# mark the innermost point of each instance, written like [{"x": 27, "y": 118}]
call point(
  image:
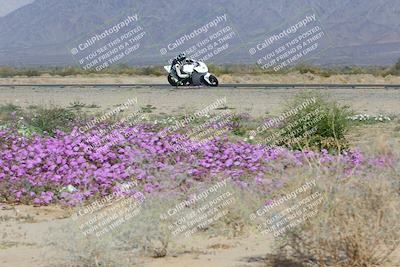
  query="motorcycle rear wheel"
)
[{"x": 171, "y": 81}]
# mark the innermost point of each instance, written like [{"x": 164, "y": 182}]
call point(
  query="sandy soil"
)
[
  {"x": 92, "y": 79},
  {"x": 227, "y": 78},
  {"x": 25, "y": 232},
  {"x": 256, "y": 102}
]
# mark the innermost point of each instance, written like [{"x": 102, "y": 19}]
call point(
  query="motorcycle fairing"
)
[{"x": 207, "y": 78}]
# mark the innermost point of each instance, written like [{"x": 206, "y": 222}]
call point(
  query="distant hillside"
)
[
  {"x": 357, "y": 31},
  {"x": 7, "y": 6}
]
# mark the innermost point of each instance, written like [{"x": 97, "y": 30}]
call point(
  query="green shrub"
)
[
  {"x": 316, "y": 122},
  {"x": 394, "y": 70},
  {"x": 8, "y": 108},
  {"x": 156, "y": 71},
  {"x": 9, "y": 112},
  {"x": 237, "y": 125},
  {"x": 30, "y": 73},
  {"x": 50, "y": 119},
  {"x": 6, "y": 72},
  {"x": 70, "y": 71}
]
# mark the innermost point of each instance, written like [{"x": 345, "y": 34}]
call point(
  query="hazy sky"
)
[{"x": 7, "y": 6}]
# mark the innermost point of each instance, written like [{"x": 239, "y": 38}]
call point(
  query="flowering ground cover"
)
[{"x": 69, "y": 168}]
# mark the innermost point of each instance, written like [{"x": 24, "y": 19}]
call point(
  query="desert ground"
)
[
  {"x": 257, "y": 102},
  {"x": 293, "y": 77},
  {"x": 26, "y": 230}
]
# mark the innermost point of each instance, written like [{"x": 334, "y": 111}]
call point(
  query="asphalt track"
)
[{"x": 256, "y": 86}]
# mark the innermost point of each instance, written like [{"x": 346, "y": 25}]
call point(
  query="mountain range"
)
[{"x": 363, "y": 32}]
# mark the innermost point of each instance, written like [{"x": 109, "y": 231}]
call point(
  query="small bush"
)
[
  {"x": 50, "y": 119},
  {"x": 31, "y": 73},
  {"x": 70, "y": 71},
  {"x": 8, "y": 108},
  {"x": 315, "y": 122},
  {"x": 77, "y": 105},
  {"x": 6, "y": 72},
  {"x": 156, "y": 71},
  {"x": 77, "y": 250},
  {"x": 394, "y": 70},
  {"x": 237, "y": 124},
  {"x": 9, "y": 112}
]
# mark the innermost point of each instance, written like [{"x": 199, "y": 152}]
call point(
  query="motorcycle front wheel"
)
[{"x": 213, "y": 81}]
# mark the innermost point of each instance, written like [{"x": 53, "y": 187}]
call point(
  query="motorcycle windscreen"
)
[{"x": 168, "y": 68}]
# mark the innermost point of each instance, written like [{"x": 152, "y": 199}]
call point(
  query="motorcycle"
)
[{"x": 198, "y": 75}]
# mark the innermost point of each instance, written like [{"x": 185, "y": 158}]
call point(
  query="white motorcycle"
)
[{"x": 198, "y": 75}]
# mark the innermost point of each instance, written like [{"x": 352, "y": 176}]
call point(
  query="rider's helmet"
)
[{"x": 181, "y": 57}]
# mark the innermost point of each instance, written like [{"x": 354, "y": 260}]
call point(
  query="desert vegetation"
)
[
  {"x": 228, "y": 69},
  {"x": 47, "y": 159}
]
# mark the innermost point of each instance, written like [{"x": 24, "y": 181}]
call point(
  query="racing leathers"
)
[{"x": 176, "y": 66}]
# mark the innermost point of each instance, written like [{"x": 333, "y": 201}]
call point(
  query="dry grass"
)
[
  {"x": 357, "y": 225},
  {"x": 146, "y": 235}
]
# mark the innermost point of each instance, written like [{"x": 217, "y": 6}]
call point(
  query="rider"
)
[{"x": 177, "y": 65}]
